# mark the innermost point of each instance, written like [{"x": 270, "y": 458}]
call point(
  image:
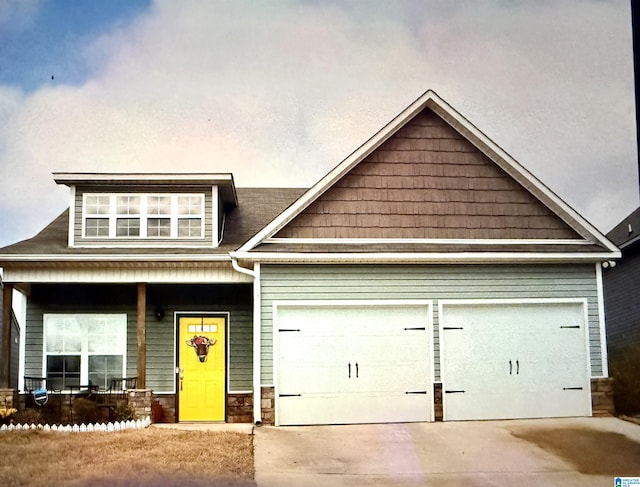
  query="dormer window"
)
[
  {"x": 153, "y": 210},
  {"x": 156, "y": 216}
]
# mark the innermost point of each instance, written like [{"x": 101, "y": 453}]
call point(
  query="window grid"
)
[
  {"x": 159, "y": 227},
  {"x": 97, "y": 227},
  {"x": 83, "y": 347},
  {"x": 128, "y": 227},
  {"x": 189, "y": 227},
  {"x": 127, "y": 205},
  {"x": 159, "y": 205},
  {"x": 98, "y": 205}
]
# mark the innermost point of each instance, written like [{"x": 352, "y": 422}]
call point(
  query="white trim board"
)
[
  {"x": 602, "y": 320},
  {"x": 431, "y": 241},
  {"x": 425, "y": 257},
  {"x": 112, "y": 274},
  {"x": 129, "y": 257}
]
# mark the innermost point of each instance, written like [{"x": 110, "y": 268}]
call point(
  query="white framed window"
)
[
  {"x": 96, "y": 215},
  {"x": 83, "y": 349},
  {"x": 157, "y": 216}
]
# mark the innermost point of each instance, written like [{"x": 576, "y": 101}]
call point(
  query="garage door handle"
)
[
  {"x": 517, "y": 368},
  {"x": 349, "y": 366},
  {"x": 356, "y": 370},
  {"x": 510, "y": 367},
  {"x": 454, "y": 392}
]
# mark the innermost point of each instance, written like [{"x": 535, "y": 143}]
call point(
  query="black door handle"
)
[
  {"x": 349, "y": 370},
  {"x": 517, "y": 367},
  {"x": 356, "y": 370},
  {"x": 510, "y": 367}
]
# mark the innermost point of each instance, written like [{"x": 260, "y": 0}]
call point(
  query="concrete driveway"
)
[{"x": 562, "y": 452}]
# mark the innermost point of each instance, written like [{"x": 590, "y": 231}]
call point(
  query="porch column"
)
[
  {"x": 5, "y": 349},
  {"x": 142, "y": 336}
]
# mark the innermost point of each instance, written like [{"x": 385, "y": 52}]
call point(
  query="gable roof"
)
[
  {"x": 256, "y": 207},
  {"x": 422, "y": 212}
]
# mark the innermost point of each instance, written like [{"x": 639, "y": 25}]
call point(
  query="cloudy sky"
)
[{"x": 279, "y": 92}]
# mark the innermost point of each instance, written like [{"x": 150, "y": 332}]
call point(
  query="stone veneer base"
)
[{"x": 240, "y": 405}]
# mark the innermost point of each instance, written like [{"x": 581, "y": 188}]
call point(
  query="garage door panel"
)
[
  {"x": 316, "y": 350},
  {"x": 479, "y": 377},
  {"x": 465, "y": 406},
  {"x": 515, "y": 360},
  {"x": 407, "y": 376},
  {"x": 353, "y": 364},
  {"x": 305, "y": 378},
  {"x": 364, "y": 408}
]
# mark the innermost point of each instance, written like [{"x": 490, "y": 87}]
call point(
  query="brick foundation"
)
[
  {"x": 167, "y": 403},
  {"x": 8, "y": 398},
  {"x": 240, "y": 408},
  {"x": 602, "y": 397},
  {"x": 140, "y": 400},
  {"x": 267, "y": 404},
  {"x": 437, "y": 402}
]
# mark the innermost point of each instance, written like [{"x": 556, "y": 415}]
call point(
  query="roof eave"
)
[
  {"x": 110, "y": 258},
  {"x": 223, "y": 180}
]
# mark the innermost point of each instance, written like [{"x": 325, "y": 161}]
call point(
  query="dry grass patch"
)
[{"x": 159, "y": 457}]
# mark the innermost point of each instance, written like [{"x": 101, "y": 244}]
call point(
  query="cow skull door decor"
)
[{"x": 201, "y": 345}]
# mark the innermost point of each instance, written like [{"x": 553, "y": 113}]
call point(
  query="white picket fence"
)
[{"x": 82, "y": 428}]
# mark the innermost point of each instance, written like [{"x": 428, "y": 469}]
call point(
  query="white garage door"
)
[
  {"x": 510, "y": 360},
  {"x": 353, "y": 363}
]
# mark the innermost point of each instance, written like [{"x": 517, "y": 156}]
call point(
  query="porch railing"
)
[{"x": 58, "y": 405}]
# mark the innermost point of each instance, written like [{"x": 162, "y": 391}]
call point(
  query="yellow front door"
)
[{"x": 201, "y": 368}]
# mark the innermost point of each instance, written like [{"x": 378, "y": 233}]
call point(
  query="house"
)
[
  {"x": 427, "y": 276},
  {"x": 622, "y": 286},
  {"x": 622, "y": 310}
]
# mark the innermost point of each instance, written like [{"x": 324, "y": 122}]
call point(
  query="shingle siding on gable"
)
[{"x": 427, "y": 181}]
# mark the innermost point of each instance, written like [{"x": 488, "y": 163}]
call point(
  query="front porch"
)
[{"x": 148, "y": 314}]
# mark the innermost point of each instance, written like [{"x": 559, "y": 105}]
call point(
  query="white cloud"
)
[
  {"x": 16, "y": 15},
  {"x": 278, "y": 93}
]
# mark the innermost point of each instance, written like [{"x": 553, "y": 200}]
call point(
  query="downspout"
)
[{"x": 257, "y": 390}]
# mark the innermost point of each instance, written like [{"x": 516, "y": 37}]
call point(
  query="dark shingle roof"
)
[
  {"x": 627, "y": 232},
  {"x": 256, "y": 208}
]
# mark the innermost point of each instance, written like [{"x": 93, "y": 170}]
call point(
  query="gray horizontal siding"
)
[
  {"x": 335, "y": 282},
  {"x": 160, "y": 333}
]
